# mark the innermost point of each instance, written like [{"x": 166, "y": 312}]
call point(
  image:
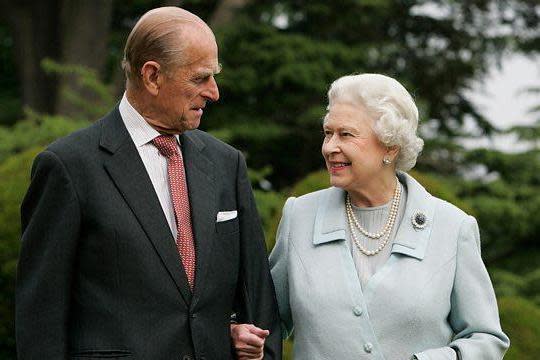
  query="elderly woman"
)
[{"x": 375, "y": 267}]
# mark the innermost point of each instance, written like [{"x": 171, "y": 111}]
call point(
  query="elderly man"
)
[{"x": 140, "y": 232}]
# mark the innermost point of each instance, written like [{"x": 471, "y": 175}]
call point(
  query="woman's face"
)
[{"x": 351, "y": 150}]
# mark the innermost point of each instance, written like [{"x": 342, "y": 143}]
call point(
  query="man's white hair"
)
[{"x": 394, "y": 110}]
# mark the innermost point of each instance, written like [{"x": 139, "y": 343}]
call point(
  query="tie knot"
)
[{"x": 166, "y": 144}]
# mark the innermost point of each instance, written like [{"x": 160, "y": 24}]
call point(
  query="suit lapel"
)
[
  {"x": 128, "y": 173},
  {"x": 202, "y": 198}
]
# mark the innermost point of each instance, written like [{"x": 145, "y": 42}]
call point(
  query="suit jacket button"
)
[
  {"x": 187, "y": 357},
  {"x": 357, "y": 310},
  {"x": 368, "y": 347}
]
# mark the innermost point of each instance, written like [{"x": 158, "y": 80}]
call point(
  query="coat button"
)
[
  {"x": 368, "y": 347},
  {"x": 357, "y": 310}
]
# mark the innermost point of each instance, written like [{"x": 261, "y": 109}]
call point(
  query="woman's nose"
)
[{"x": 330, "y": 145}]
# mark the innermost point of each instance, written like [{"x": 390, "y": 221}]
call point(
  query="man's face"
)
[{"x": 186, "y": 89}]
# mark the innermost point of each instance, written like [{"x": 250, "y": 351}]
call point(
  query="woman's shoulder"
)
[
  {"x": 449, "y": 211},
  {"x": 442, "y": 209},
  {"x": 312, "y": 199}
]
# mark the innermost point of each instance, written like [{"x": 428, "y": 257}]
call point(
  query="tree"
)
[{"x": 280, "y": 57}]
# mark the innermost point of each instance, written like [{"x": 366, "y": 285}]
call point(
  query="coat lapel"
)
[
  {"x": 330, "y": 220},
  {"x": 202, "y": 198},
  {"x": 128, "y": 173},
  {"x": 410, "y": 240}
]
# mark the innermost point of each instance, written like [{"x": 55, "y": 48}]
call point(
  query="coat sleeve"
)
[
  {"x": 258, "y": 299},
  {"x": 474, "y": 315},
  {"x": 279, "y": 259},
  {"x": 50, "y": 217}
]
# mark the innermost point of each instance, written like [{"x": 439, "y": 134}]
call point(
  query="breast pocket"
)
[{"x": 228, "y": 227}]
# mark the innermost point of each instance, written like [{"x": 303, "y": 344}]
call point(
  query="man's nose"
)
[{"x": 211, "y": 92}]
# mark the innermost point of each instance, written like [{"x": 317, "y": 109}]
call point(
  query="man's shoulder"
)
[
  {"x": 212, "y": 143},
  {"x": 80, "y": 142},
  {"x": 76, "y": 139}
]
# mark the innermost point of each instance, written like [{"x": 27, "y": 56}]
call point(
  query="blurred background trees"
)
[{"x": 60, "y": 70}]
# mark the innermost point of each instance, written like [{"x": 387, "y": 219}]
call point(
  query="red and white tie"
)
[{"x": 185, "y": 244}]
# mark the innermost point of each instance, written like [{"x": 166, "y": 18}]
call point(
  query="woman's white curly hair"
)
[{"x": 394, "y": 110}]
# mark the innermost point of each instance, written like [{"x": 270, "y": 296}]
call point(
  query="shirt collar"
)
[{"x": 140, "y": 131}]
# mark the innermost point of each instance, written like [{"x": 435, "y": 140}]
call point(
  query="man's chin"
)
[{"x": 190, "y": 124}]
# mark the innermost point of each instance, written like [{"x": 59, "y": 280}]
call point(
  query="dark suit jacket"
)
[{"x": 99, "y": 275}]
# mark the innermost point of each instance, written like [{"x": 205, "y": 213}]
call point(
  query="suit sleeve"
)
[
  {"x": 259, "y": 305},
  {"x": 279, "y": 260},
  {"x": 50, "y": 217},
  {"x": 474, "y": 315}
]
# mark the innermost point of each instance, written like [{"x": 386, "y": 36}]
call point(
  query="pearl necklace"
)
[{"x": 384, "y": 234}]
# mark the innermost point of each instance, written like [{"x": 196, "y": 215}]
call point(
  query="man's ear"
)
[{"x": 151, "y": 77}]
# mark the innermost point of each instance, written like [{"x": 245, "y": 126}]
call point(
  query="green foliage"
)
[
  {"x": 514, "y": 168},
  {"x": 520, "y": 320},
  {"x": 269, "y": 205},
  {"x": 492, "y": 212},
  {"x": 312, "y": 182},
  {"x": 506, "y": 206},
  {"x": 527, "y": 285},
  {"x": 35, "y": 129},
  {"x": 88, "y": 81},
  {"x": 521, "y": 261}
]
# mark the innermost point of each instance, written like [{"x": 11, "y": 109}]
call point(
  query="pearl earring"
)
[{"x": 386, "y": 160}]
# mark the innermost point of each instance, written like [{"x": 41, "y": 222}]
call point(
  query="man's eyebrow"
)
[{"x": 209, "y": 72}]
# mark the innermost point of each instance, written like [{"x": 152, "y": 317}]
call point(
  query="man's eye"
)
[
  {"x": 345, "y": 134},
  {"x": 327, "y": 133},
  {"x": 200, "y": 80}
]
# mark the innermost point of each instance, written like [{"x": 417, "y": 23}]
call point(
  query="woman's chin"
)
[{"x": 336, "y": 181}]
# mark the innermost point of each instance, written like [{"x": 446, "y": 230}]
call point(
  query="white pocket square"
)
[{"x": 226, "y": 215}]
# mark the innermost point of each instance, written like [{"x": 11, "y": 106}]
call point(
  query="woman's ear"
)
[{"x": 392, "y": 152}]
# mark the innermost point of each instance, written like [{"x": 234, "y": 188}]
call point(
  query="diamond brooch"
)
[{"x": 419, "y": 220}]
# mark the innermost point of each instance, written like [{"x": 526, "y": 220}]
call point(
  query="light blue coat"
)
[{"x": 433, "y": 292}]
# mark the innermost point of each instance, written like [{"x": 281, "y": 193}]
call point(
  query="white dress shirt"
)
[{"x": 142, "y": 135}]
